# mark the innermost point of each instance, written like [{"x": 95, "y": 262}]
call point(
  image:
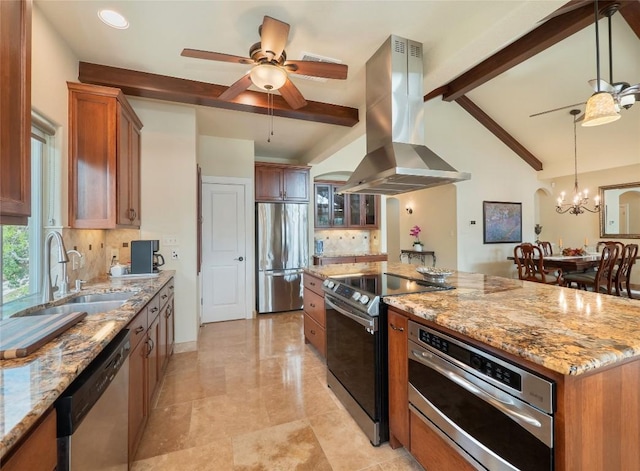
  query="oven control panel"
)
[{"x": 480, "y": 363}]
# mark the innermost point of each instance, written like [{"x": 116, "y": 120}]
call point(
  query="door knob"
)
[{"x": 239, "y": 259}]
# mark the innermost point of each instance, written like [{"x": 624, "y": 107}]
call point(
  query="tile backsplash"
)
[{"x": 349, "y": 241}]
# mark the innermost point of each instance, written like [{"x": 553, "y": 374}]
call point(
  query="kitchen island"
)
[
  {"x": 30, "y": 385},
  {"x": 587, "y": 343}
]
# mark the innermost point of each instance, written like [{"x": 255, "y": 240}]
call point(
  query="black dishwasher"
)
[{"x": 93, "y": 413}]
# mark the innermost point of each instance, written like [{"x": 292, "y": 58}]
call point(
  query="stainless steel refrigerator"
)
[{"x": 283, "y": 252}]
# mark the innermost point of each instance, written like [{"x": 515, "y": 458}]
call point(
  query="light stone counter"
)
[
  {"x": 562, "y": 329},
  {"x": 29, "y": 386}
]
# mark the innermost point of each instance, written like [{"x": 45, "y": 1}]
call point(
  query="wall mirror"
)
[{"x": 620, "y": 211}]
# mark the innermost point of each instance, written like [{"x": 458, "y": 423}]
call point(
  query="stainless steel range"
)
[{"x": 356, "y": 321}]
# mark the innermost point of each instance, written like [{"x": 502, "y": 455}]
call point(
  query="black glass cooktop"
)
[{"x": 389, "y": 284}]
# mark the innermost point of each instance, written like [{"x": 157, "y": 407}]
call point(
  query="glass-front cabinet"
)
[{"x": 333, "y": 209}]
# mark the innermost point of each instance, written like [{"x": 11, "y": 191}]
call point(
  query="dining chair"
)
[
  {"x": 546, "y": 248},
  {"x": 622, "y": 275},
  {"x": 601, "y": 280},
  {"x": 617, "y": 243},
  {"x": 530, "y": 261}
]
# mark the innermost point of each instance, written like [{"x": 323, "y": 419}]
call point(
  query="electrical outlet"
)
[
  {"x": 169, "y": 240},
  {"x": 174, "y": 254}
]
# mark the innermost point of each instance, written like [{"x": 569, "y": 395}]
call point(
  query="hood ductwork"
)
[{"x": 397, "y": 160}]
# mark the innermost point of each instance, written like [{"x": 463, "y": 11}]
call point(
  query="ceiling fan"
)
[
  {"x": 271, "y": 68},
  {"x": 623, "y": 94}
]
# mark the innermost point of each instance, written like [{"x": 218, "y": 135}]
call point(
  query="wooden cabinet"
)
[
  {"x": 317, "y": 260},
  {"x": 281, "y": 183},
  {"x": 151, "y": 333},
  {"x": 333, "y": 209},
  {"x": 138, "y": 405},
  {"x": 15, "y": 112},
  {"x": 38, "y": 450},
  {"x": 104, "y": 159},
  {"x": 314, "y": 314},
  {"x": 398, "y": 380},
  {"x": 432, "y": 451}
]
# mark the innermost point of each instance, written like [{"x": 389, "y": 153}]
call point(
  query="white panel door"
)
[{"x": 223, "y": 259}]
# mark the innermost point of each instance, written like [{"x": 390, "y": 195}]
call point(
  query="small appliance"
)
[{"x": 144, "y": 258}]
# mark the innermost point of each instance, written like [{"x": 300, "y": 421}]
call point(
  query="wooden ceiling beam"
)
[
  {"x": 544, "y": 36},
  {"x": 484, "y": 119},
  {"x": 630, "y": 11},
  {"x": 162, "y": 87}
]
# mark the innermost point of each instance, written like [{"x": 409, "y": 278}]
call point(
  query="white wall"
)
[
  {"x": 223, "y": 157},
  {"x": 168, "y": 168}
]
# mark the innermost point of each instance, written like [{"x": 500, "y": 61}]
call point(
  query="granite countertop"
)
[
  {"x": 30, "y": 385},
  {"x": 562, "y": 329}
]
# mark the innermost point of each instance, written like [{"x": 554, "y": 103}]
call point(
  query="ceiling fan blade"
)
[
  {"x": 632, "y": 90},
  {"x": 604, "y": 86},
  {"x": 236, "y": 88},
  {"x": 318, "y": 69},
  {"x": 557, "y": 109},
  {"x": 273, "y": 36},
  {"x": 292, "y": 95},
  {"x": 215, "y": 56}
]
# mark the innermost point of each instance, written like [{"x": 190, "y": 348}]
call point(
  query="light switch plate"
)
[{"x": 169, "y": 240}]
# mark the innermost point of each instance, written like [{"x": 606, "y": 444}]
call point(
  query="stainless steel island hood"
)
[{"x": 397, "y": 160}]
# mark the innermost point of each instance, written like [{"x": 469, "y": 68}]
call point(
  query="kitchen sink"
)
[
  {"x": 88, "y": 307},
  {"x": 99, "y": 297}
]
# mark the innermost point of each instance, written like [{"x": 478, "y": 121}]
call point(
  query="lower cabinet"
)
[
  {"x": 431, "y": 451},
  {"x": 314, "y": 314},
  {"x": 398, "y": 380},
  {"x": 38, "y": 451},
  {"x": 152, "y": 341}
]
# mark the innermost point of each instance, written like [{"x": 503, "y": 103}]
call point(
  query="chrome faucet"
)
[{"x": 47, "y": 285}]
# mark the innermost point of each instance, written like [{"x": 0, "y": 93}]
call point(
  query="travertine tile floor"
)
[{"x": 254, "y": 397}]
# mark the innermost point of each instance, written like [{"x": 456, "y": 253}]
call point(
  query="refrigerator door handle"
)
[{"x": 282, "y": 272}]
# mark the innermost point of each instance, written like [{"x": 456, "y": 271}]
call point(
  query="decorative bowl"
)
[{"x": 434, "y": 274}]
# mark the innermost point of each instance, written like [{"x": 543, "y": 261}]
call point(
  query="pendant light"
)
[
  {"x": 580, "y": 201},
  {"x": 601, "y": 108}
]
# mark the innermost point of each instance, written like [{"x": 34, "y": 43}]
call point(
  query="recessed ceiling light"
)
[{"x": 113, "y": 19}]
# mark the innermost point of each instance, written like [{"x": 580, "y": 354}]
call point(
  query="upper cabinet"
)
[
  {"x": 15, "y": 112},
  {"x": 275, "y": 182},
  {"x": 104, "y": 159},
  {"x": 337, "y": 210}
]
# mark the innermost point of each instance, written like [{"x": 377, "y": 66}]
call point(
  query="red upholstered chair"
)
[
  {"x": 601, "y": 280},
  {"x": 530, "y": 261}
]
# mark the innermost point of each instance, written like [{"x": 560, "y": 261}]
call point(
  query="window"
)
[{"x": 22, "y": 245}]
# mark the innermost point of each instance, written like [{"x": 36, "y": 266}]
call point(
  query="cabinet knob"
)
[
  {"x": 312, "y": 305},
  {"x": 139, "y": 330},
  {"x": 399, "y": 329},
  {"x": 154, "y": 309}
]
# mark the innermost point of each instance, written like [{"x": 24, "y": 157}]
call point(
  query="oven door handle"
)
[
  {"x": 369, "y": 324},
  {"x": 427, "y": 359}
]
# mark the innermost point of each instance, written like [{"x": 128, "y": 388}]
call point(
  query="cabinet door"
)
[
  {"x": 338, "y": 208},
  {"x": 369, "y": 208},
  {"x": 296, "y": 184},
  {"x": 153, "y": 359},
  {"x": 323, "y": 205},
  {"x": 15, "y": 112},
  {"x": 92, "y": 160},
  {"x": 355, "y": 210},
  {"x": 128, "y": 170},
  {"x": 38, "y": 451},
  {"x": 268, "y": 183},
  {"x": 138, "y": 405},
  {"x": 398, "y": 380}
]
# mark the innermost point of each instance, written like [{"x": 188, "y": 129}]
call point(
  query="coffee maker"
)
[{"x": 144, "y": 258}]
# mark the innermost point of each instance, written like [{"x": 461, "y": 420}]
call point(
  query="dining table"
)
[{"x": 570, "y": 263}]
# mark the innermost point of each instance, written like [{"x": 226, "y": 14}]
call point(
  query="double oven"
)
[
  {"x": 356, "y": 330},
  {"x": 496, "y": 415}
]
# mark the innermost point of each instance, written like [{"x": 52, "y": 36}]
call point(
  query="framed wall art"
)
[{"x": 502, "y": 222}]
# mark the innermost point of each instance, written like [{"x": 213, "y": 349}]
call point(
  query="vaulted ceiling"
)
[{"x": 498, "y": 60}]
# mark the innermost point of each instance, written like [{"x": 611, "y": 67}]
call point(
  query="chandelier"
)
[{"x": 580, "y": 198}]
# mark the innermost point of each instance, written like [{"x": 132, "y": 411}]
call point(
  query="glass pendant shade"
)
[
  {"x": 600, "y": 109},
  {"x": 268, "y": 76}
]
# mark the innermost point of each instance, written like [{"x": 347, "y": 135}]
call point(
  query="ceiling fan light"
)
[
  {"x": 268, "y": 76},
  {"x": 600, "y": 109}
]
